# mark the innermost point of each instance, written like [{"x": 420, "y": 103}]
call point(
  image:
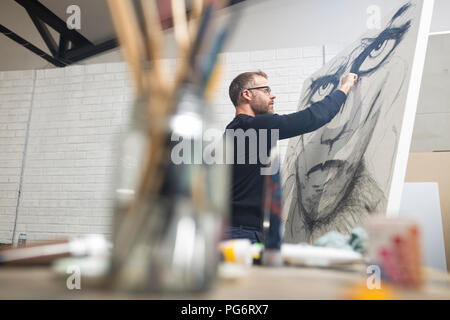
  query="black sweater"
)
[{"x": 247, "y": 181}]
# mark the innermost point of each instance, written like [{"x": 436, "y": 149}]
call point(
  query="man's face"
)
[{"x": 261, "y": 101}]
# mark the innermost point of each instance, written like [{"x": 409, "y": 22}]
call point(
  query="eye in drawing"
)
[
  {"x": 326, "y": 88},
  {"x": 321, "y": 87},
  {"x": 378, "y": 50},
  {"x": 400, "y": 12}
]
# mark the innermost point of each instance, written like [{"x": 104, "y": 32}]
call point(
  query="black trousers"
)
[{"x": 242, "y": 232}]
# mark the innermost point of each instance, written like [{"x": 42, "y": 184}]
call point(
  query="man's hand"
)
[{"x": 347, "y": 82}]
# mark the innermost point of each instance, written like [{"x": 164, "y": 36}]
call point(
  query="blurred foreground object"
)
[
  {"x": 240, "y": 251},
  {"x": 45, "y": 254},
  {"x": 362, "y": 292},
  {"x": 395, "y": 246},
  {"x": 357, "y": 240},
  {"x": 238, "y": 256},
  {"x": 312, "y": 256},
  {"x": 169, "y": 212}
]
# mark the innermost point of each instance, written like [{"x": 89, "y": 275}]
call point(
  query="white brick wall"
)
[
  {"x": 77, "y": 114},
  {"x": 15, "y": 101},
  {"x": 69, "y": 167}
]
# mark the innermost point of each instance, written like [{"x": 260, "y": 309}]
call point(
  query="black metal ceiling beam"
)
[
  {"x": 61, "y": 56},
  {"x": 10, "y": 34},
  {"x": 45, "y": 33},
  {"x": 41, "y": 12},
  {"x": 63, "y": 46},
  {"x": 77, "y": 54}
]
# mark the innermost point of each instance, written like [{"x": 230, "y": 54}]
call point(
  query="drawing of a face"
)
[{"x": 322, "y": 173}]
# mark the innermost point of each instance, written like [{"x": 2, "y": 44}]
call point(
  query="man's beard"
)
[{"x": 261, "y": 109}]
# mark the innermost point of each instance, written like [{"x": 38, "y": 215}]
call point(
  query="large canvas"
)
[{"x": 337, "y": 176}]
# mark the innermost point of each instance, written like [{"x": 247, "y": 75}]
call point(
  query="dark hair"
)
[{"x": 241, "y": 82}]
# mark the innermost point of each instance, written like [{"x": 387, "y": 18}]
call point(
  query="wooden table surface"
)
[{"x": 266, "y": 283}]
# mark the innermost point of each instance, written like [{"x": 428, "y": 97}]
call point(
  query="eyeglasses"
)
[{"x": 265, "y": 88}]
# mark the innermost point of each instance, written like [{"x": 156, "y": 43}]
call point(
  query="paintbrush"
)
[
  {"x": 202, "y": 31},
  {"x": 195, "y": 16},
  {"x": 180, "y": 26},
  {"x": 130, "y": 39},
  {"x": 186, "y": 68},
  {"x": 153, "y": 174},
  {"x": 155, "y": 40}
]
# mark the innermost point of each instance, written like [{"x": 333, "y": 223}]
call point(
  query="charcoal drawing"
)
[{"x": 334, "y": 178}]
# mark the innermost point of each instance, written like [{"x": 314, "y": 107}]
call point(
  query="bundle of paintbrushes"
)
[
  {"x": 165, "y": 223},
  {"x": 395, "y": 248}
]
